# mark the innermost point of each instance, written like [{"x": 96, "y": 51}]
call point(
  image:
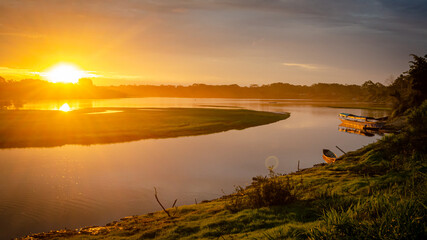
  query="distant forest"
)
[{"x": 34, "y": 89}]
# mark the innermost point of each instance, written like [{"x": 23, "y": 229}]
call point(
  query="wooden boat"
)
[
  {"x": 329, "y": 156},
  {"x": 362, "y": 121}
]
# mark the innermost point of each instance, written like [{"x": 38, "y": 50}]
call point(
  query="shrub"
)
[{"x": 264, "y": 192}]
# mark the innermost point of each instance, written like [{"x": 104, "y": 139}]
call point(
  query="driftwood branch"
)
[{"x": 161, "y": 205}]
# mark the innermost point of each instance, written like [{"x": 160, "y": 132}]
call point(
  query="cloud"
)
[
  {"x": 22, "y": 73},
  {"x": 17, "y": 73},
  {"x": 304, "y": 66},
  {"x": 8, "y": 70},
  {"x": 371, "y": 37},
  {"x": 24, "y": 35},
  {"x": 120, "y": 76},
  {"x": 115, "y": 75},
  {"x": 367, "y": 13}
]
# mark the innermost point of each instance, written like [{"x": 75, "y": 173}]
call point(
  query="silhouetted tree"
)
[
  {"x": 409, "y": 89},
  {"x": 85, "y": 82},
  {"x": 418, "y": 76}
]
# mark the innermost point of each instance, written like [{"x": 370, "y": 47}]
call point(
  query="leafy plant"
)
[{"x": 264, "y": 191}]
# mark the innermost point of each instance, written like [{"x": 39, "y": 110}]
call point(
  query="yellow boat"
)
[
  {"x": 329, "y": 156},
  {"x": 362, "y": 121}
]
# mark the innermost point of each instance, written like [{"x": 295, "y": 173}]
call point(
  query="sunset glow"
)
[{"x": 65, "y": 73}]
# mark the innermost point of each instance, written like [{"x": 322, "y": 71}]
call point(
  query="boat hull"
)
[
  {"x": 329, "y": 156},
  {"x": 328, "y": 159},
  {"x": 354, "y": 124}
]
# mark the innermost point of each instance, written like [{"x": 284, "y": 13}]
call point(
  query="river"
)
[{"x": 74, "y": 186}]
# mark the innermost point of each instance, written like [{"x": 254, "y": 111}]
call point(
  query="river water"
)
[{"x": 74, "y": 186}]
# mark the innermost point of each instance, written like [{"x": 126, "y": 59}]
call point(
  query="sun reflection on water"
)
[{"x": 65, "y": 107}]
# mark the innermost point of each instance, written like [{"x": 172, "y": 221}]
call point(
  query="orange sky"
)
[{"x": 212, "y": 42}]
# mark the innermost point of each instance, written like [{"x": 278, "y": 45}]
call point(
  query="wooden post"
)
[{"x": 298, "y": 165}]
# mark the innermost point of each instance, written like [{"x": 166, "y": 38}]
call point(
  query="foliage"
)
[
  {"x": 265, "y": 191},
  {"x": 378, "y": 217},
  {"x": 396, "y": 208},
  {"x": 410, "y": 88},
  {"x": 34, "y": 89}
]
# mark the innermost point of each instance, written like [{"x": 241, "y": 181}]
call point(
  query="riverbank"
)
[
  {"x": 376, "y": 192},
  {"x": 48, "y": 128}
]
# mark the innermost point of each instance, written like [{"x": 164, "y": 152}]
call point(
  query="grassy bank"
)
[
  {"x": 377, "y": 192},
  {"x": 40, "y": 128}
]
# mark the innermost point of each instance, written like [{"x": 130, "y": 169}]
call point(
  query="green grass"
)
[
  {"x": 376, "y": 192},
  {"x": 41, "y": 128}
]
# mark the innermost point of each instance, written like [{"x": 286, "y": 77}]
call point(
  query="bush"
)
[
  {"x": 263, "y": 192},
  {"x": 266, "y": 192}
]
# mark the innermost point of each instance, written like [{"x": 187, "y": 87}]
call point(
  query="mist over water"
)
[{"x": 74, "y": 186}]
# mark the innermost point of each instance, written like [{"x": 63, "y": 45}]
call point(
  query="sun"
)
[{"x": 65, "y": 73}]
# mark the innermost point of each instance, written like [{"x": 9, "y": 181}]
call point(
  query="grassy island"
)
[{"x": 42, "y": 128}]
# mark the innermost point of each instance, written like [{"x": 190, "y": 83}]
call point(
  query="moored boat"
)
[
  {"x": 362, "y": 121},
  {"x": 329, "y": 156}
]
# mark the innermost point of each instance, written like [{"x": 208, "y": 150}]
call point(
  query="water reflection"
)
[
  {"x": 65, "y": 107},
  {"x": 357, "y": 129},
  {"x": 106, "y": 112},
  {"x": 45, "y": 104},
  {"x": 10, "y": 104}
]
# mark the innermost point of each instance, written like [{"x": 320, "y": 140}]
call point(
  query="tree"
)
[
  {"x": 410, "y": 88},
  {"x": 418, "y": 76},
  {"x": 85, "y": 82}
]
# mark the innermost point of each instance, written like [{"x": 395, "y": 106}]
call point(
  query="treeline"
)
[
  {"x": 270, "y": 91},
  {"x": 34, "y": 89},
  {"x": 409, "y": 90},
  {"x": 406, "y": 90}
]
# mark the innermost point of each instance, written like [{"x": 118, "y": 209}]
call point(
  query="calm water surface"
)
[{"x": 74, "y": 186}]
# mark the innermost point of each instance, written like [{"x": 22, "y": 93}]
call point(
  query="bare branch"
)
[{"x": 161, "y": 205}]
